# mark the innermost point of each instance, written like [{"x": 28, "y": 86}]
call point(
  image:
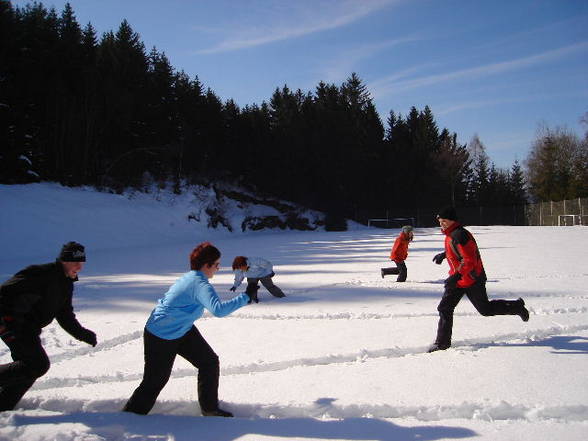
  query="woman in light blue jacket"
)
[
  {"x": 170, "y": 331},
  {"x": 256, "y": 270}
]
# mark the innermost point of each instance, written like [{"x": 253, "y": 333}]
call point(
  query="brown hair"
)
[
  {"x": 239, "y": 262},
  {"x": 205, "y": 253}
]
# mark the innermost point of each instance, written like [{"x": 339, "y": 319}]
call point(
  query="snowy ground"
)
[{"x": 341, "y": 358}]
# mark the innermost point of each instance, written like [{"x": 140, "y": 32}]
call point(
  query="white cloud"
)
[
  {"x": 340, "y": 67},
  {"x": 381, "y": 87},
  {"x": 299, "y": 18},
  {"x": 480, "y": 104},
  {"x": 456, "y": 107},
  {"x": 391, "y": 85}
]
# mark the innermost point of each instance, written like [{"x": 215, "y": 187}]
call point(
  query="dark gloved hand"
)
[
  {"x": 89, "y": 337},
  {"x": 451, "y": 281},
  {"x": 438, "y": 259},
  {"x": 6, "y": 330},
  {"x": 233, "y": 288}
]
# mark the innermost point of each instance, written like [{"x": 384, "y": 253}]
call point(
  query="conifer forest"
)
[{"x": 103, "y": 110}]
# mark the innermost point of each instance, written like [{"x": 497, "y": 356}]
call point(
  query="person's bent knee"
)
[
  {"x": 484, "y": 309},
  {"x": 212, "y": 363},
  {"x": 444, "y": 310}
]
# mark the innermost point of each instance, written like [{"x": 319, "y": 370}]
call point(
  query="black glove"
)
[
  {"x": 89, "y": 337},
  {"x": 451, "y": 281},
  {"x": 233, "y": 288},
  {"x": 438, "y": 259},
  {"x": 6, "y": 331}
]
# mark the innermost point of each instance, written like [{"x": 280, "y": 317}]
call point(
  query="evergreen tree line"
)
[{"x": 84, "y": 110}]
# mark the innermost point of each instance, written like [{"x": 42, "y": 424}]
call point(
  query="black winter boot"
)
[
  {"x": 523, "y": 312},
  {"x": 438, "y": 347},
  {"x": 217, "y": 413}
]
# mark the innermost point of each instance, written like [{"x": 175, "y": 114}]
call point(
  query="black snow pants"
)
[
  {"x": 267, "y": 282},
  {"x": 400, "y": 269},
  {"x": 479, "y": 298},
  {"x": 30, "y": 362},
  {"x": 159, "y": 359}
]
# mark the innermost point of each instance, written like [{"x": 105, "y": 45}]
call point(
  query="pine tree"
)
[
  {"x": 66, "y": 99},
  {"x": 189, "y": 109},
  {"x": 89, "y": 109},
  {"x": 32, "y": 81},
  {"x": 418, "y": 151},
  {"x": 159, "y": 114},
  {"x": 391, "y": 124},
  {"x": 430, "y": 130},
  {"x": 517, "y": 185},
  {"x": 498, "y": 187},
  {"x": 453, "y": 162},
  {"x": 210, "y": 157},
  {"x": 479, "y": 188},
  {"x": 122, "y": 66},
  {"x": 481, "y": 184},
  {"x": 10, "y": 147},
  {"x": 363, "y": 134}
]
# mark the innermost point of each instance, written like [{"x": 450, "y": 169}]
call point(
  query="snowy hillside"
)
[
  {"x": 342, "y": 357},
  {"x": 51, "y": 214}
]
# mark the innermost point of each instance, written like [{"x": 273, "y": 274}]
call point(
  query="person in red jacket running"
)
[
  {"x": 466, "y": 276},
  {"x": 399, "y": 254}
]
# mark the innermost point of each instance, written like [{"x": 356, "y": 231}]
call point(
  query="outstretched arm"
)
[{"x": 208, "y": 297}]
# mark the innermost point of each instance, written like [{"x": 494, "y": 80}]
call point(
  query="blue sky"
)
[{"x": 496, "y": 68}]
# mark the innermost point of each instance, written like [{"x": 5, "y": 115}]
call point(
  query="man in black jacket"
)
[{"x": 29, "y": 301}]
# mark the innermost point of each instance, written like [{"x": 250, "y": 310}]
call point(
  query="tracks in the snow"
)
[
  {"x": 467, "y": 410},
  {"x": 327, "y": 408},
  {"x": 384, "y": 316},
  {"x": 363, "y": 355},
  {"x": 113, "y": 343}
]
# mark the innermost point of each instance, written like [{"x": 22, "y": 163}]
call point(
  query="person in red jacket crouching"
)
[
  {"x": 399, "y": 254},
  {"x": 466, "y": 276}
]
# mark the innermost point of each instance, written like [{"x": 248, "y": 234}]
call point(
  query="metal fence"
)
[{"x": 562, "y": 213}]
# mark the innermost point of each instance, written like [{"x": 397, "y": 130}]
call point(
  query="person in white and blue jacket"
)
[
  {"x": 256, "y": 270},
  {"x": 170, "y": 331}
]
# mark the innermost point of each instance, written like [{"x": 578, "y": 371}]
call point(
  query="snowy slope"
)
[{"x": 340, "y": 358}]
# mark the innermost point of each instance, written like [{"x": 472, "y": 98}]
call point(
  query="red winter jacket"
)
[
  {"x": 463, "y": 256},
  {"x": 399, "y": 251}
]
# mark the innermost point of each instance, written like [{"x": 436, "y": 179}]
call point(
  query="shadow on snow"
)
[{"x": 186, "y": 428}]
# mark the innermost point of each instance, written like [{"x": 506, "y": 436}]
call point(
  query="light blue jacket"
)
[
  {"x": 258, "y": 268},
  {"x": 184, "y": 303}
]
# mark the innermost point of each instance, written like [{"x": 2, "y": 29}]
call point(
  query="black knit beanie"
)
[
  {"x": 72, "y": 252},
  {"x": 447, "y": 213}
]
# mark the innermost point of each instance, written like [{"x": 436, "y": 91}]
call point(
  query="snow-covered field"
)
[{"x": 342, "y": 357}]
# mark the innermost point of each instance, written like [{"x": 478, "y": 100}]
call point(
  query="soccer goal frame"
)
[
  {"x": 394, "y": 222},
  {"x": 568, "y": 220}
]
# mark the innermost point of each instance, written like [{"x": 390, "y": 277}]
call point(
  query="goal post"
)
[
  {"x": 568, "y": 220},
  {"x": 394, "y": 222}
]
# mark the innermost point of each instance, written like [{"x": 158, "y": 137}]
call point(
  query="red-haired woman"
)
[{"x": 170, "y": 331}]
